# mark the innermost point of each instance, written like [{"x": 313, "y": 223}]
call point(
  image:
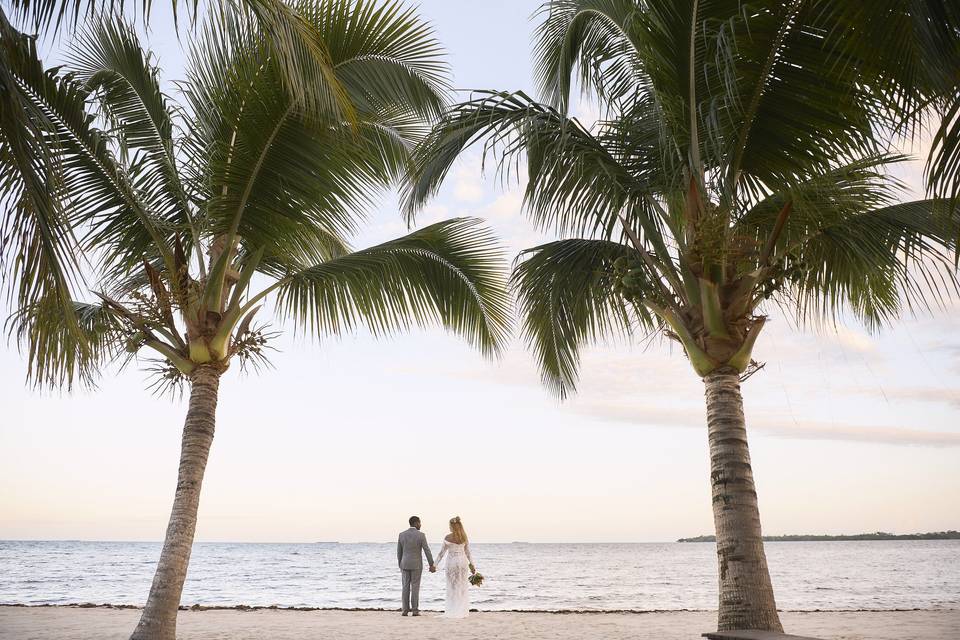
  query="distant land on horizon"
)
[{"x": 879, "y": 535}]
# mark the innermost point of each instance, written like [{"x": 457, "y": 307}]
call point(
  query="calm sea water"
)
[{"x": 806, "y": 575}]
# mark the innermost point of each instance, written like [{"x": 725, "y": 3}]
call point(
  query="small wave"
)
[{"x": 522, "y": 577}]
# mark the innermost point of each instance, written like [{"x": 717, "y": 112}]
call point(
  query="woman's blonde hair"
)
[{"x": 456, "y": 528}]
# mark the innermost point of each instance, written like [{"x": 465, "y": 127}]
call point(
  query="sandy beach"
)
[{"x": 73, "y": 623}]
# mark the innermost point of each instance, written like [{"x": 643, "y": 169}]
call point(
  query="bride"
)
[{"x": 456, "y": 549}]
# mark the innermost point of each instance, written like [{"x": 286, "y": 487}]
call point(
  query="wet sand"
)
[{"x": 75, "y": 623}]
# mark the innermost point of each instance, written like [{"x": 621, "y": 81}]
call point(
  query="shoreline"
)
[
  {"x": 58, "y": 622},
  {"x": 275, "y": 607}
]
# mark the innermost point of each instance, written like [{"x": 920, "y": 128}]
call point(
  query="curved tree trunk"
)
[
  {"x": 746, "y": 593},
  {"x": 159, "y": 618}
]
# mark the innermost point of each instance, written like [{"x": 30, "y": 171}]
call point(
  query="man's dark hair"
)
[{"x": 414, "y": 520}]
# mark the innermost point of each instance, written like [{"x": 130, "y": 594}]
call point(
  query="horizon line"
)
[{"x": 321, "y": 541}]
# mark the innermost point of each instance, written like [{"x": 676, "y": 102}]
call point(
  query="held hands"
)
[{"x": 433, "y": 568}]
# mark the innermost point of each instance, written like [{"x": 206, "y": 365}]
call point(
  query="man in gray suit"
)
[{"x": 411, "y": 544}]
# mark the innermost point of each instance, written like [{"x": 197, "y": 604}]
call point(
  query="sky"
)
[{"x": 345, "y": 438}]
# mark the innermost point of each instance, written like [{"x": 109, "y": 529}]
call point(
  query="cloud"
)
[
  {"x": 931, "y": 395},
  {"x": 654, "y": 387},
  {"x": 851, "y": 339},
  {"x": 658, "y": 416},
  {"x": 507, "y": 206},
  {"x": 468, "y": 182},
  {"x": 658, "y": 389}
]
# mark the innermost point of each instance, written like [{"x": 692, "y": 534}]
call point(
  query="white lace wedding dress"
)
[{"x": 458, "y": 574}]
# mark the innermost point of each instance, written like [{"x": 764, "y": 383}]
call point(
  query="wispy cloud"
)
[
  {"x": 851, "y": 339},
  {"x": 636, "y": 414},
  {"x": 654, "y": 387},
  {"x": 932, "y": 395}
]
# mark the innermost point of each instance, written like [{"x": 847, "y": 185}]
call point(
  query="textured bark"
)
[
  {"x": 746, "y": 593},
  {"x": 159, "y": 618}
]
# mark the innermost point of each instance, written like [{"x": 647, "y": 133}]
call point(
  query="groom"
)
[{"x": 410, "y": 547}]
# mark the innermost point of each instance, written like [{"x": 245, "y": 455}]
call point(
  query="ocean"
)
[{"x": 807, "y": 576}]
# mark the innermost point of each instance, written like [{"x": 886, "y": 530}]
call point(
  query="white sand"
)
[{"x": 69, "y": 623}]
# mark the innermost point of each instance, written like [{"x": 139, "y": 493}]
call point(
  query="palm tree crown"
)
[
  {"x": 740, "y": 158},
  {"x": 185, "y": 208}
]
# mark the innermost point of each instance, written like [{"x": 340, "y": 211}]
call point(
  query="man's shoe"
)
[
  {"x": 416, "y": 613},
  {"x": 403, "y": 613}
]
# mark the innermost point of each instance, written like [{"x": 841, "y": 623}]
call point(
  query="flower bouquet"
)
[{"x": 476, "y": 579}]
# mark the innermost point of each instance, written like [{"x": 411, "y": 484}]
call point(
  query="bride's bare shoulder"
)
[{"x": 448, "y": 537}]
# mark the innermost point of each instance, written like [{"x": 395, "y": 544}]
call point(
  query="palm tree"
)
[
  {"x": 199, "y": 214},
  {"x": 740, "y": 162}
]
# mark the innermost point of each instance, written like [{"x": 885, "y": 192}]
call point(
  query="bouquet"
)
[{"x": 476, "y": 579}]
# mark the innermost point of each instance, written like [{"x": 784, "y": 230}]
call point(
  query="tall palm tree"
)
[
  {"x": 199, "y": 214},
  {"x": 740, "y": 162}
]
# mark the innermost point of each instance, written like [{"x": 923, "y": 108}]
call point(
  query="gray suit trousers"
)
[{"x": 411, "y": 589}]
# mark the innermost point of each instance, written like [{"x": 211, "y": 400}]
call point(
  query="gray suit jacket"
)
[{"x": 411, "y": 544}]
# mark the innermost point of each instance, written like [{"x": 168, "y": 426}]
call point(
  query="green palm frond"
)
[
  {"x": 284, "y": 33},
  {"x": 111, "y": 211},
  {"x": 789, "y": 109},
  {"x": 907, "y": 53},
  {"x": 496, "y": 116},
  {"x": 566, "y": 297},
  {"x": 51, "y": 15},
  {"x": 906, "y": 49},
  {"x": 876, "y": 262},
  {"x": 753, "y": 98},
  {"x": 275, "y": 165},
  {"x": 575, "y": 184},
  {"x": 943, "y": 162},
  {"x": 384, "y": 56},
  {"x": 594, "y": 40},
  {"x": 276, "y": 169},
  {"x": 62, "y": 351},
  {"x": 450, "y": 272},
  {"x": 266, "y": 161},
  {"x": 829, "y": 198},
  {"x": 109, "y": 60},
  {"x": 38, "y": 258}
]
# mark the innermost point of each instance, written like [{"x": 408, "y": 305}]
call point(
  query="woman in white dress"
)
[{"x": 460, "y": 567}]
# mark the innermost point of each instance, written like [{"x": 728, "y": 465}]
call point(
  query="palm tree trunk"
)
[
  {"x": 159, "y": 618},
  {"x": 746, "y": 593}
]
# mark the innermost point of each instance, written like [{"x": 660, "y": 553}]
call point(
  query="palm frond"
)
[
  {"x": 943, "y": 162},
  {"x": 62, "y": 352},
  {"x": 280, "y": 31},
  {"x": 384, "y": 55},
  {"x": 450, "y": 272},
  {"x": 103, "y": 200},
  {"x": 52, "y": 15},
  {"x": 108, "y": 58},
  {"x": 277, "y": 174},
  {"x": 876, "y": 263},
  {"x": 575, "y": 183},
  {"x": 823, "y": 200},
  {"x": 594, "y": 39},
  {"x": 38, "y": 258},
  {"x": 264, "y": 163},
  {"x": 567, "y": 301}
]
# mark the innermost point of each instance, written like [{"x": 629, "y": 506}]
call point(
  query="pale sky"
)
[{"x": 344, "y": 439}]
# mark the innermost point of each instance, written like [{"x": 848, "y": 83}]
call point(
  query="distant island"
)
[{"x": 879, "y": 535}]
